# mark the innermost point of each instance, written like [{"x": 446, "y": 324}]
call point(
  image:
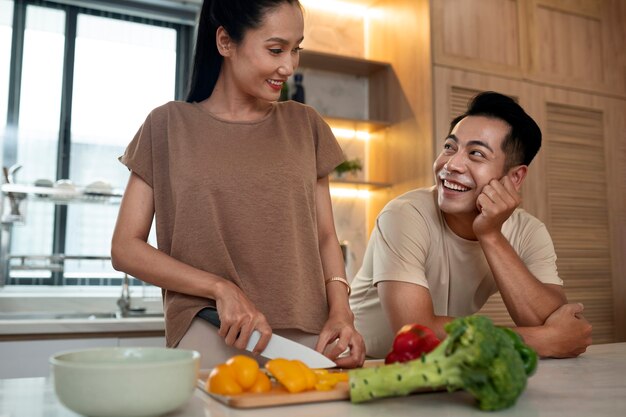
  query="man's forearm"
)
[
  {"x": 566, "y": 333},
  {"x": 528, "y": 300},
  {"x": 536, "y": 338}
]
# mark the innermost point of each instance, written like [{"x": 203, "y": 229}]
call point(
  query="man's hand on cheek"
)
[{"x": 496, "y": 203}]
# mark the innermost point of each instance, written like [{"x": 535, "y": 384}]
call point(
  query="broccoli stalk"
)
[{"x": 476, "y": 356}]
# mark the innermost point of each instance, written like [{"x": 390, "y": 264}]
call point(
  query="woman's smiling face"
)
[
  {"x": 472, "y": 156},
  {"x": 268, "y": 54}
]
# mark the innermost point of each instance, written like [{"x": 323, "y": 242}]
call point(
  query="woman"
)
[{"x": 238, "y": 184}]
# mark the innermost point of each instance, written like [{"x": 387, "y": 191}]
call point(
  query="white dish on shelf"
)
[
  {"x": 99, "y": 188},
  {"x": 43, "y": 183},
  {"x": 67, "y": 190},
  {"x": 65, "y": 185}
]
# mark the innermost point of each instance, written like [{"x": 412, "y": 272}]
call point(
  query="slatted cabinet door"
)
[{"x": 578, "y": 214}]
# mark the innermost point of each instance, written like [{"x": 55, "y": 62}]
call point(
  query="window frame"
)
[{"x": 138, "y": 14}]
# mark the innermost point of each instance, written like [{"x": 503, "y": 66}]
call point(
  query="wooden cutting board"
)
[{"x": 277, "y": 396}]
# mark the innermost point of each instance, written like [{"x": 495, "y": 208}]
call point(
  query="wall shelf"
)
[
  {"x": 369, "y": 126},
  {"x": 378, "y": 74},
  {"x": 338, "y": 63},
  {"x": 63, "y": 196}
]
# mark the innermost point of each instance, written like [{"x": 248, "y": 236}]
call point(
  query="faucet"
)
[
  {"x": 9, "y": 173},
  {"x": 124, "y": 301},
  {"x": 14, "y": 198},
  {"x": 7, "y": 220}
]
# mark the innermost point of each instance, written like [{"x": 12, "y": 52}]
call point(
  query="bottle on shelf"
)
[
  {"x": 298, "y": 95},
  {"x": 284, "y": 92}
]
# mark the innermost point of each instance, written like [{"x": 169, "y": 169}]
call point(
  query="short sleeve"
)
[
  {"x": 328, "y": 153},
  {"x": 138, "y": 154},
  {"x": 401, "y": 242},
  {"x": 537, "y": 253}
]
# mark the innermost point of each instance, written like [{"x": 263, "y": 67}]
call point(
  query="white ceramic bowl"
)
[{"x": 129, "y": 382}]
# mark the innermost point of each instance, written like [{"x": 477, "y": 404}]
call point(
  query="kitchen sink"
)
[
  {"x": 133, "y": 314},
  {"x": 74, "y": 316}
]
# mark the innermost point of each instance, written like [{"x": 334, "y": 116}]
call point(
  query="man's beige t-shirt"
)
[
  {"x": 237, "y": 199},
  {"x": 412, "y": 243}
]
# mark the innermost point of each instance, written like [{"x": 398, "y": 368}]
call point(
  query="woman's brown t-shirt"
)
[{"x": 237, "y": 199}]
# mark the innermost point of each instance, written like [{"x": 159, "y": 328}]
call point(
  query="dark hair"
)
[
  {"x": 236, "y": 16},
  {"x": 523, "y": 141}
]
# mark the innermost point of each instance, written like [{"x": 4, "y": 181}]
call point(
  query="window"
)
[
  {"x": 116, "y": 62},
  {"x": 38, "y": 128},
  {"x": 87, "y": 81}
]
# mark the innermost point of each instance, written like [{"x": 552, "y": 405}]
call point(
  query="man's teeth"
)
[
  {"x": 275, "y": 82},
  {"x": 453, "y": 186}
]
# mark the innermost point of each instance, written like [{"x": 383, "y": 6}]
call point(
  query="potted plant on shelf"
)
[{"x": 351, "y": 166}]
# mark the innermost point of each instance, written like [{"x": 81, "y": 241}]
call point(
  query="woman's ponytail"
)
[{"x": 207, "y": 60}]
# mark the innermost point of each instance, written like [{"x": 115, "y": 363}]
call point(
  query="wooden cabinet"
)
[{"x": 572, "y": 44}]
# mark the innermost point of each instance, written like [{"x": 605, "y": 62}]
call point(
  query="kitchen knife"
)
[{"x": 278, "y": 346}]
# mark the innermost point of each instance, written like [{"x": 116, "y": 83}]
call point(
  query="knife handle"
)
[{"x": 210, "y": 314}]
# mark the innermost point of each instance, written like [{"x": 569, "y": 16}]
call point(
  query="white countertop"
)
[
  {"x": 80, "y": 326},
  {"x": 592, "y": 385}
]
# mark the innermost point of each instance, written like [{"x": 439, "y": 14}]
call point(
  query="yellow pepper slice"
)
[
  {"x": 311, "y": 378},
  {"x": 245, "y": 369},
  {"x": 262, "y": 384},
  {"x": 327, "y": 381},
  {"x": 288, "y": 373},
  {"x": 222, "y": 380}
]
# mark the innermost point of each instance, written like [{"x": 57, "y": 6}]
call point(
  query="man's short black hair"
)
[{"x": 523, "y": 141}]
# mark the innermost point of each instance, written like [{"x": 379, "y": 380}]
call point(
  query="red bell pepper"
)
[{"x": 411, "y": 342}]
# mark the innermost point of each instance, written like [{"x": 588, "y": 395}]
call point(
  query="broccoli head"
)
[{"x": 489, "y": 362}]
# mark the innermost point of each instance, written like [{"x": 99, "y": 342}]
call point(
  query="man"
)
[{"x": 440, "y": 252}]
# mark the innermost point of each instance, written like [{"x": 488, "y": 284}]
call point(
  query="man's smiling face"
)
[{"x": 472, "y": 156}]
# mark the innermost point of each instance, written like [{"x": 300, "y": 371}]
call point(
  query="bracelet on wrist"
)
[{"x": 339, "y": 279}]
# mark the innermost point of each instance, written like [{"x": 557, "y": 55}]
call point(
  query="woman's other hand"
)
[{"x": 338, "y": 335}]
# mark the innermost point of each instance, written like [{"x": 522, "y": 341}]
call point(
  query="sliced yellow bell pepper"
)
[
  {"x": 327, "y": 381},
  {"x": 311, "y": 378},
  {"x": 296, "y": 376},
  {"x": 288, "y": 373}
]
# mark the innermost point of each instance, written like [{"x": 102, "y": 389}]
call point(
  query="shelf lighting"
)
[
  {"x": 336, "y": 6},
  {"x": 351, "y": 134},
  {"x": 348, "y": 192}
]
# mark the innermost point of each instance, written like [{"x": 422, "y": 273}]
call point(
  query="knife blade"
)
[{"x": 278, "y": 346}]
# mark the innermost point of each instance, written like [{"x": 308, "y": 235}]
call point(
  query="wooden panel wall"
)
[
  {"x": 464, "y": 34},
  {"x": 578, "y": 44},
  {"x": 567, "y": 46},
  {"x": 333, "y": 32}
]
